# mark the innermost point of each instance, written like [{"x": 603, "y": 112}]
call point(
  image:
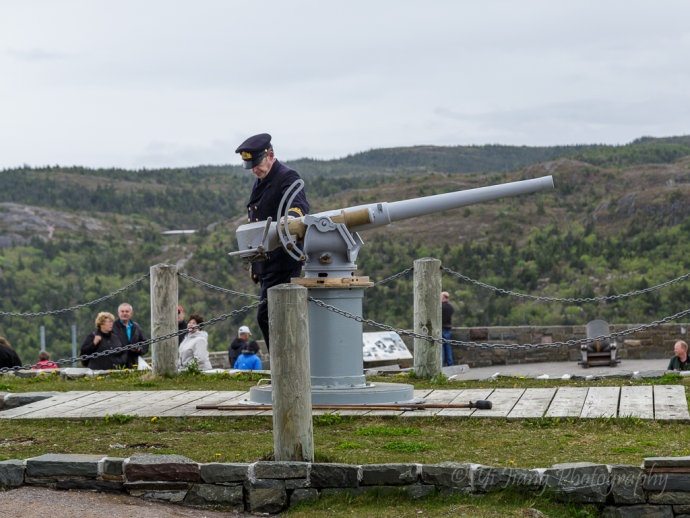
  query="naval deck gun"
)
[{"x": 328, "y": 244}]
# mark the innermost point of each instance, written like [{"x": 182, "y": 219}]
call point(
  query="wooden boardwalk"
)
[{"x": 660, "y": 402}]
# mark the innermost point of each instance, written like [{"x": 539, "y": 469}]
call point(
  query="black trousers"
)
[{"x": 268, "y": 280}]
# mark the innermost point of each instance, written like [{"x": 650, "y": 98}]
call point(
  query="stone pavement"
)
[
  {"x": 39, "y": 502},
  {"x": 660, "y": 402},
  {"x": 566, "y": 370}
]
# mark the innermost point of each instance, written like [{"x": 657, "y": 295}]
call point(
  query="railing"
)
[{"x": 164, "y": 298}]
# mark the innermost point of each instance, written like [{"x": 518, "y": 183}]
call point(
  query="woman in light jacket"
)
[{"x": 194, "y": 346}]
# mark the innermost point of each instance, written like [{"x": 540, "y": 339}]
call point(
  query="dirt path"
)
[{"x": 35, "y": 502}]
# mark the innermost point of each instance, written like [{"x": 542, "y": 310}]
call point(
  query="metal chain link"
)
[
  {"x": 556, "y": 299},
  {"x": 216, "y": 288},
  {"x": 73, "y": 308},
  {"x": 402, "y": 332},
  {"x": 123, "y": 348},
  {"x": 428, "y": 338},
  {"x": 394, "y": 277}
]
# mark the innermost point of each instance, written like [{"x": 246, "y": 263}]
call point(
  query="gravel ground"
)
[{"x": 34, "y": 502}]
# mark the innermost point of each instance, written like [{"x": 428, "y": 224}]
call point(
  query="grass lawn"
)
[{"x": 524, "y": 443}]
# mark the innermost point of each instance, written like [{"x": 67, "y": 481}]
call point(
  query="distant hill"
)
[
  {"x": 617, "y": 221},
  {"x": 496, "y": 158}
]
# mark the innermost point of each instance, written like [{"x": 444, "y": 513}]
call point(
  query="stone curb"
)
[{"x": 660, "y": 487}]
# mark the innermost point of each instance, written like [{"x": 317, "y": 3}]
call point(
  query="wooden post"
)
[
  {"x": 164, "y": 318},
  {"x": 428, "y": 358},
  {"x": 288, "y": 317}
]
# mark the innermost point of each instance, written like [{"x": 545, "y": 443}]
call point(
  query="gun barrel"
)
[
  {"x": 363, "y": 217},
  {"x": 385, "y": 213},
  {"x": 421, "y": 206}
]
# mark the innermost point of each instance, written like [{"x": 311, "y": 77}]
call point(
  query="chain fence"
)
[
  {"x": 478, "y": 345},
  {"x": 79, "y": 306},
  {"x": 215, "y": 288},
  {"x": 582, "y": 300},
  {"x": 137, "y": 345},
  {"x": 393, "y": 277},
  {"x": 359, "y": 318}
]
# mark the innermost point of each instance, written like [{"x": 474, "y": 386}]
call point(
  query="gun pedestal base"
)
[
  {"x": 371, "y": 394},
  {"x": 335, "y": 350}
]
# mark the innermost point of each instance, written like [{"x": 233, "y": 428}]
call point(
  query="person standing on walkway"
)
[
  {"x": 447, "y": 311},
  {"x": 238, "y": 345},
  {"x": 101, "y": 340},
  {"x": 129, "y": 333},
  {"x": 273, "y": 179},
  {"x": 679, "y": 362}
]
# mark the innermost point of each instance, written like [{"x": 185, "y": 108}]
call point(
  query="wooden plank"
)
[
  {"x": 343, "y": 412},
  {"x": 437, "y": 396},
  {"x": 111, "y": 404},
  {"x": 150, "y": 405},
  {"x": 670, "y": 402},
  {"x": 567, "y": 402},
  {"x": 185, "y": 403},
  {"x": 503, "y": 401},
  {"x": 601, "y": 402},
  {"x": 421, "y": 393},
  {"x": 43, "y": 408},
  {"x": 225, "y": 398},
  {"x": 92, "y": 405},
  {"x": 332, "y": 282},
  {"x": 140, "y": 403},
  {"x": 65, "y": 407},
  {"x": 108, "y": 405},
  {"x": 637, "y": 401},
  {"x": 667, "y": 402},
  {"x": 466, "y": 396},
  {"x": 533, "y": 403}
]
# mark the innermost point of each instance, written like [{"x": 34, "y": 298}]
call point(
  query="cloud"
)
[
  {"x": 169, "y": 82},
  {"x": 35, "y": 55}
]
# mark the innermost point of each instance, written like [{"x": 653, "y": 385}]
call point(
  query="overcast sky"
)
[{"x": 167, "y": 83}]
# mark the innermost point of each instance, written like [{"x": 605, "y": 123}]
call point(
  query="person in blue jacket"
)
[{"x": 249, "y": 359}]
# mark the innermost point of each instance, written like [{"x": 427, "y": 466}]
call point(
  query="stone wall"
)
[
  {"x": 653, "y": 343},
  {"x": 660, "y": 487}
]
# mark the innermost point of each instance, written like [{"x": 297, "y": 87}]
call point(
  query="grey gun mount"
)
[{"x": 330, "y": 239}]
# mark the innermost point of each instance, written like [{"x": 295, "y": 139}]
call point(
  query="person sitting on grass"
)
[{"x": 249, "y": 359}]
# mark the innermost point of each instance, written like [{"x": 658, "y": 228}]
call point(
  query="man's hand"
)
[{"x": 252, "y": 275}]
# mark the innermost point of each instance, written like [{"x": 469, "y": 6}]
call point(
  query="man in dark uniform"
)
[{"x": 272, "y": 180}]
